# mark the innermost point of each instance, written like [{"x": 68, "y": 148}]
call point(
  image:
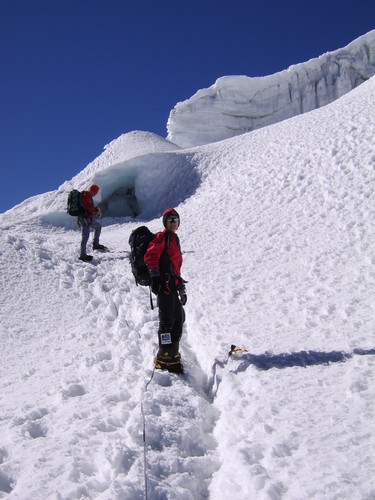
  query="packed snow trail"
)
[{"x": 96, "y": 335}]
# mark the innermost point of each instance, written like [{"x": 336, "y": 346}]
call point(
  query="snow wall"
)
[{"x": 238, "y": 104}]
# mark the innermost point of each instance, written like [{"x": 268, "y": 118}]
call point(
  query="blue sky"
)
[{"x": 76, "y": 74}]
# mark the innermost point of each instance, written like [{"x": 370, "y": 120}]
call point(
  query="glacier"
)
[
  {"x": 279, "y": 252},
  {"x": 238, "y": 104}
]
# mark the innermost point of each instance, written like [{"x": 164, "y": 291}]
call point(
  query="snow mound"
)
[
  {"x": 126, "y": 147},
  {"x": 139, "y": 174},
  {"x": 238, "y": 104}
]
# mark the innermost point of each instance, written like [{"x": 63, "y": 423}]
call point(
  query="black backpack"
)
[
  {"x": 73, "y": 205},
  {"x": 139, "y": 240}
]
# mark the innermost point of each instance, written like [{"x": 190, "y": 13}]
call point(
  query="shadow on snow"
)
[{"x": 301, "y": 359}]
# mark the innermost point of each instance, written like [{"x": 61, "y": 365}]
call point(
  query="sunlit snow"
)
[{"x": 278, "y": 238}]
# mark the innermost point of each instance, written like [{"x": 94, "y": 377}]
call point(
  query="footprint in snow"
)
[
  {"x": 6, "y": 483},
  {"x": 32, "y": 424},
  {"x": 73, "y": 391},
  {"x": 3, "y": 455},
  {"x": 102, "y": 361},
  {"x": 34, "y": 430},
  {"x": 32, "y": 416}
]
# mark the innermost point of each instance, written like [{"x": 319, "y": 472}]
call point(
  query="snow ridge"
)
[{"x": 238, "y": 104}]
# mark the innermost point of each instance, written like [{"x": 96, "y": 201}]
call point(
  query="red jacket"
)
[
  {"x": 156, "y": 247},
  {"x": 88, "y": 204}
]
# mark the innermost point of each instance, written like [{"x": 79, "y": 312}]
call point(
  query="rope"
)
[
  {"x": 144, "y": 450},
  {"x": 144, "y": 435},
  {"x": 152, "y": 376}
]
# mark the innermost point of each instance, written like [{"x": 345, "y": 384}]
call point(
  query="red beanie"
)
[
  {"x": 94, "y": 189},
  {"x": 170, "y": 212}
]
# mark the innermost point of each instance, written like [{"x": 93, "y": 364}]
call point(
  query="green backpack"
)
[{"x": 73, "y": 205}]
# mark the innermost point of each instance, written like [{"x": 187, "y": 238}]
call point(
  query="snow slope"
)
[
  {"x": 238, "y": 104},
  {"x": 278, "y": 243}
]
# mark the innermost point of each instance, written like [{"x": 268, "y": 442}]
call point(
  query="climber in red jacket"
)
[
  {"x": 164, "y": 260},
  {"x": 87, "y": 222}
]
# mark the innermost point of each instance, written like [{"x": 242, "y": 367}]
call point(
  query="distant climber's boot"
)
[
  {"x": 98, "y": 246},
  {"x": 85, "y": 258}
]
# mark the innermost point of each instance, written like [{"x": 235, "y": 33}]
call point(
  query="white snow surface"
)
[
  {"x": 238, "y": 104},
  {"x": 278, "y": 238}
]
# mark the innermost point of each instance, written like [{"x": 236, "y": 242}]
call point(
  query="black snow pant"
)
[{"x": 171, "y": 320}]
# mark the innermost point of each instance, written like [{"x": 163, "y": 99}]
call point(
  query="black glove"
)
[
  {"x": 182, "y": 292},
  {"x": 183, "y": 298},
  {"x": 155, "y": 284}
]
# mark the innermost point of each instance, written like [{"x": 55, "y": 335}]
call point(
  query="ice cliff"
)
[{"x": 238, "y": 104}]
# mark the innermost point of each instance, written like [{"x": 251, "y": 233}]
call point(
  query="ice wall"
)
[{"x": 238, "y": 104}]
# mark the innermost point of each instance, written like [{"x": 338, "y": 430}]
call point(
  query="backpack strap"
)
[
  {"x": 151, "y": 302},
  {"x": 84, "y": 211},
  {"x": 165, "y": 265},
  {"x": 164, "y": 256}
]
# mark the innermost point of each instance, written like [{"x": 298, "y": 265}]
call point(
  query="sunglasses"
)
[{"x": 173, "y": 219}]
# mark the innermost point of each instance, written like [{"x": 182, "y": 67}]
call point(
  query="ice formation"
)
[{"x": 238, "y": 104}]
